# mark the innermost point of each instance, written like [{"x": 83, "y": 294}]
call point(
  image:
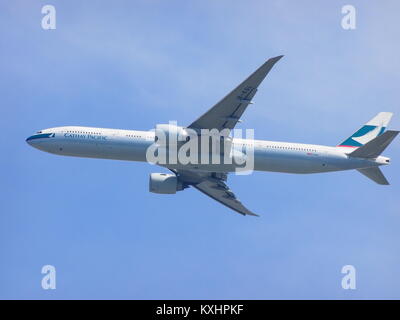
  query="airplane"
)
[{"x": 361, "y": 151}]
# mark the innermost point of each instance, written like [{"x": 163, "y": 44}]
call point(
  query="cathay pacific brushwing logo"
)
[{"x": 369, "y": 135}]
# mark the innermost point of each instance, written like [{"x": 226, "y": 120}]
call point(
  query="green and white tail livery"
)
[
  {"x": 369, "y": 142},
  {"x": 372, "y": 129}
]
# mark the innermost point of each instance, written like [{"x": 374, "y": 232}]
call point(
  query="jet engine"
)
[
  {"x": 164, "y": 183},
  {"x": 169, "y": 134}
]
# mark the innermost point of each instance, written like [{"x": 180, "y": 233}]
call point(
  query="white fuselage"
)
[{"x": 132, "y": 146}]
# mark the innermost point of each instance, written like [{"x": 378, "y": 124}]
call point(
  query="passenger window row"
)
[
  {"x": 84, "y": 132},
  {"x": 283, "y": 147},
  {"x": 291, "y": 148}
]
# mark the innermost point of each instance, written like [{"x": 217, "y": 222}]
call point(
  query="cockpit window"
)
[
  {"x": 39, "y": 131},
  {"x": 41, "y": 136}
]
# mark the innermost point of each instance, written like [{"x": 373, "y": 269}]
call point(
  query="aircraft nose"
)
[
  {"x": 29, "y": 140},
  {"x": 40, "y": 140},
  {"x": 34, "y": 140}
]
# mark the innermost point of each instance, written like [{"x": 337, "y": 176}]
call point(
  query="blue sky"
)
[{"x": 133, "y": 64}]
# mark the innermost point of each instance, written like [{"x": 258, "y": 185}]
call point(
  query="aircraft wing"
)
[
  {"x": 214, "y": 185},
  {"x": 224, "y": 115},
  {"x": 227, "y": 112},
  {"x": 220, "y": 192}
]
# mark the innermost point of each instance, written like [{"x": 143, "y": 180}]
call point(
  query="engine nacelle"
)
[
  {"x": 169, "y": 134},
  {"x": 164, "y": 183}
]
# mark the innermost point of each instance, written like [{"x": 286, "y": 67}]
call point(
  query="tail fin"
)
[
  {"x": 375, "y": 147},
  {"x": 372, "y": 129},
  {"x": 374, "y": 174}
]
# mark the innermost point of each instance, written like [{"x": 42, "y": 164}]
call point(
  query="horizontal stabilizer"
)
[
  {"x": 376, "y": 146},
  {"x": 374, "y": 174}
]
